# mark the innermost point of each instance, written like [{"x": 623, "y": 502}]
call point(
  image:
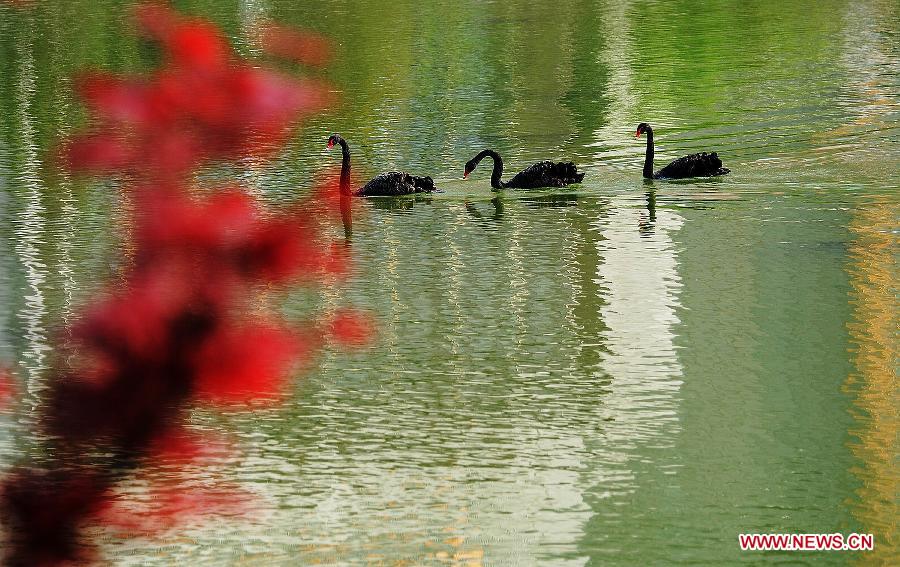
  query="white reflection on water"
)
[
  {"x": 30, "y": 230},
  {"x": 642, "y": 285},
  {"x": 638, "y": 274},
  {"x": 252, "y": 13},
  {"x": 619, "y": 91}
]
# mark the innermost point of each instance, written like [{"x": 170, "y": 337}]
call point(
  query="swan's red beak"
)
[
  {"x": 637, "y": 134},
  {"x": 330, "y": 144},
  {"x": 466, "y": 175}
]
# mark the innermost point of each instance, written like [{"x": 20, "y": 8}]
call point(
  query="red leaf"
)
[
  {"x": 8, "y": 388},
  {"x": 197, "y": 44},
  {"x": 280, "y": 250},
  {"x": 99, "y": 152},
  {"x": 181, "y": 446},
  {"x": 290, "y": 44},
  {"x": 213, "y": 226},
  {"x": 135, "y": 323},
  {"x": 155, "y": 19},
  {"x": 112, "y": 98},
  {"x": 351, "y": 328},
  {"x": 245, "y": 364}
]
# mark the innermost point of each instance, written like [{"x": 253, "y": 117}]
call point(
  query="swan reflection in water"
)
[
  {"x": 496, "y": 215},
  {"x": 399, "y": 204},
  {"x": 647, "y": 222},
  {"x": 347, "y": 216},
  {"x": 554, "y": 200},
  {"x": 390, "y": 184},
  {"x": 533, "y": 202}
]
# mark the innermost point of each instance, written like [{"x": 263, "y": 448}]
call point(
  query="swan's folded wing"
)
[
  {"x": 389, "y": 184},
  {"x": 702, "y": 164},
  {"x": 395, "y": 183},
  {"x": 546, "y": 174}
]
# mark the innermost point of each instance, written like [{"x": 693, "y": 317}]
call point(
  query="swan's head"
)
[
  {"x": 642, "y": 127},
  {"x": 470, "y": 167},
  {"x": 334, "y": 139}
]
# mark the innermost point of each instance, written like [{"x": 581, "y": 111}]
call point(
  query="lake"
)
[{"x": 618, "y": 372}]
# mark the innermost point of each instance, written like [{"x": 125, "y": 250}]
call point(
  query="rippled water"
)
[{"x": 622, "y": 372}]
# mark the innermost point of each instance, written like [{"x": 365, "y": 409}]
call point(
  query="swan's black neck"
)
[
  {"x": 345, "y": 166},
  {"x": 648, "y": 159},
  {"x": 498, "y": 167}
]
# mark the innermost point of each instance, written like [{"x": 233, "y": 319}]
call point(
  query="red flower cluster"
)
[
  {"x": 180, "y": 329},
  {"x": 201, "y": 105}
]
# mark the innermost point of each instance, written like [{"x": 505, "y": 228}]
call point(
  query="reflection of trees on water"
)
[
  {"x": 869, "y": 62},
  {"x": 402, "y": 204},
  {"x": 873, "y": 384}
]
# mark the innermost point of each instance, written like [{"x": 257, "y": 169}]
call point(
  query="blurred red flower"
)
[
  {"x": 245, "y": 364},
  {"x": 7, "y": 388},
  {"x": 351, "y": 328},
  {"x": 289, "y": 43}
]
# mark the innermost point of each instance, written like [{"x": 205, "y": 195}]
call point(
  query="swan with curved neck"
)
[
  {"x": 390, "y": 184},
  {"x": 702, "y": 164},
  {"x": 541, "y": 174},
  {"x": 345, "y": 162}
]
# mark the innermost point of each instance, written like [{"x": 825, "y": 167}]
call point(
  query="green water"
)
[{"x": 622, "y": 372}]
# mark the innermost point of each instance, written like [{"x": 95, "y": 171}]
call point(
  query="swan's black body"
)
[
  {"x": 695, "y": 165},
  {"x": 541, "y": 174},
  {"x": 390, "y": 184},
  {"x": 396, "y": 183}
]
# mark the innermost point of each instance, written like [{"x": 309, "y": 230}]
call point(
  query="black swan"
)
[
  {"x": 695, "y": 165},
  {"x": 388, "y": 184},
  {"x": 541, "y": 174}
]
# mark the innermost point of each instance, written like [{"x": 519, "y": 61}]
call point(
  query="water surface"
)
[{"x": 621, "y": 372}]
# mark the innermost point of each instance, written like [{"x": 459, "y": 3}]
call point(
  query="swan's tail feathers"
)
[
  {"x": 709, "y": 164},
  {"x": 716, "y": 165},
  {"x": 568, "y": 172},
  {"x": 703, "y": 164},
  {"x": 424, "y": 184}
]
